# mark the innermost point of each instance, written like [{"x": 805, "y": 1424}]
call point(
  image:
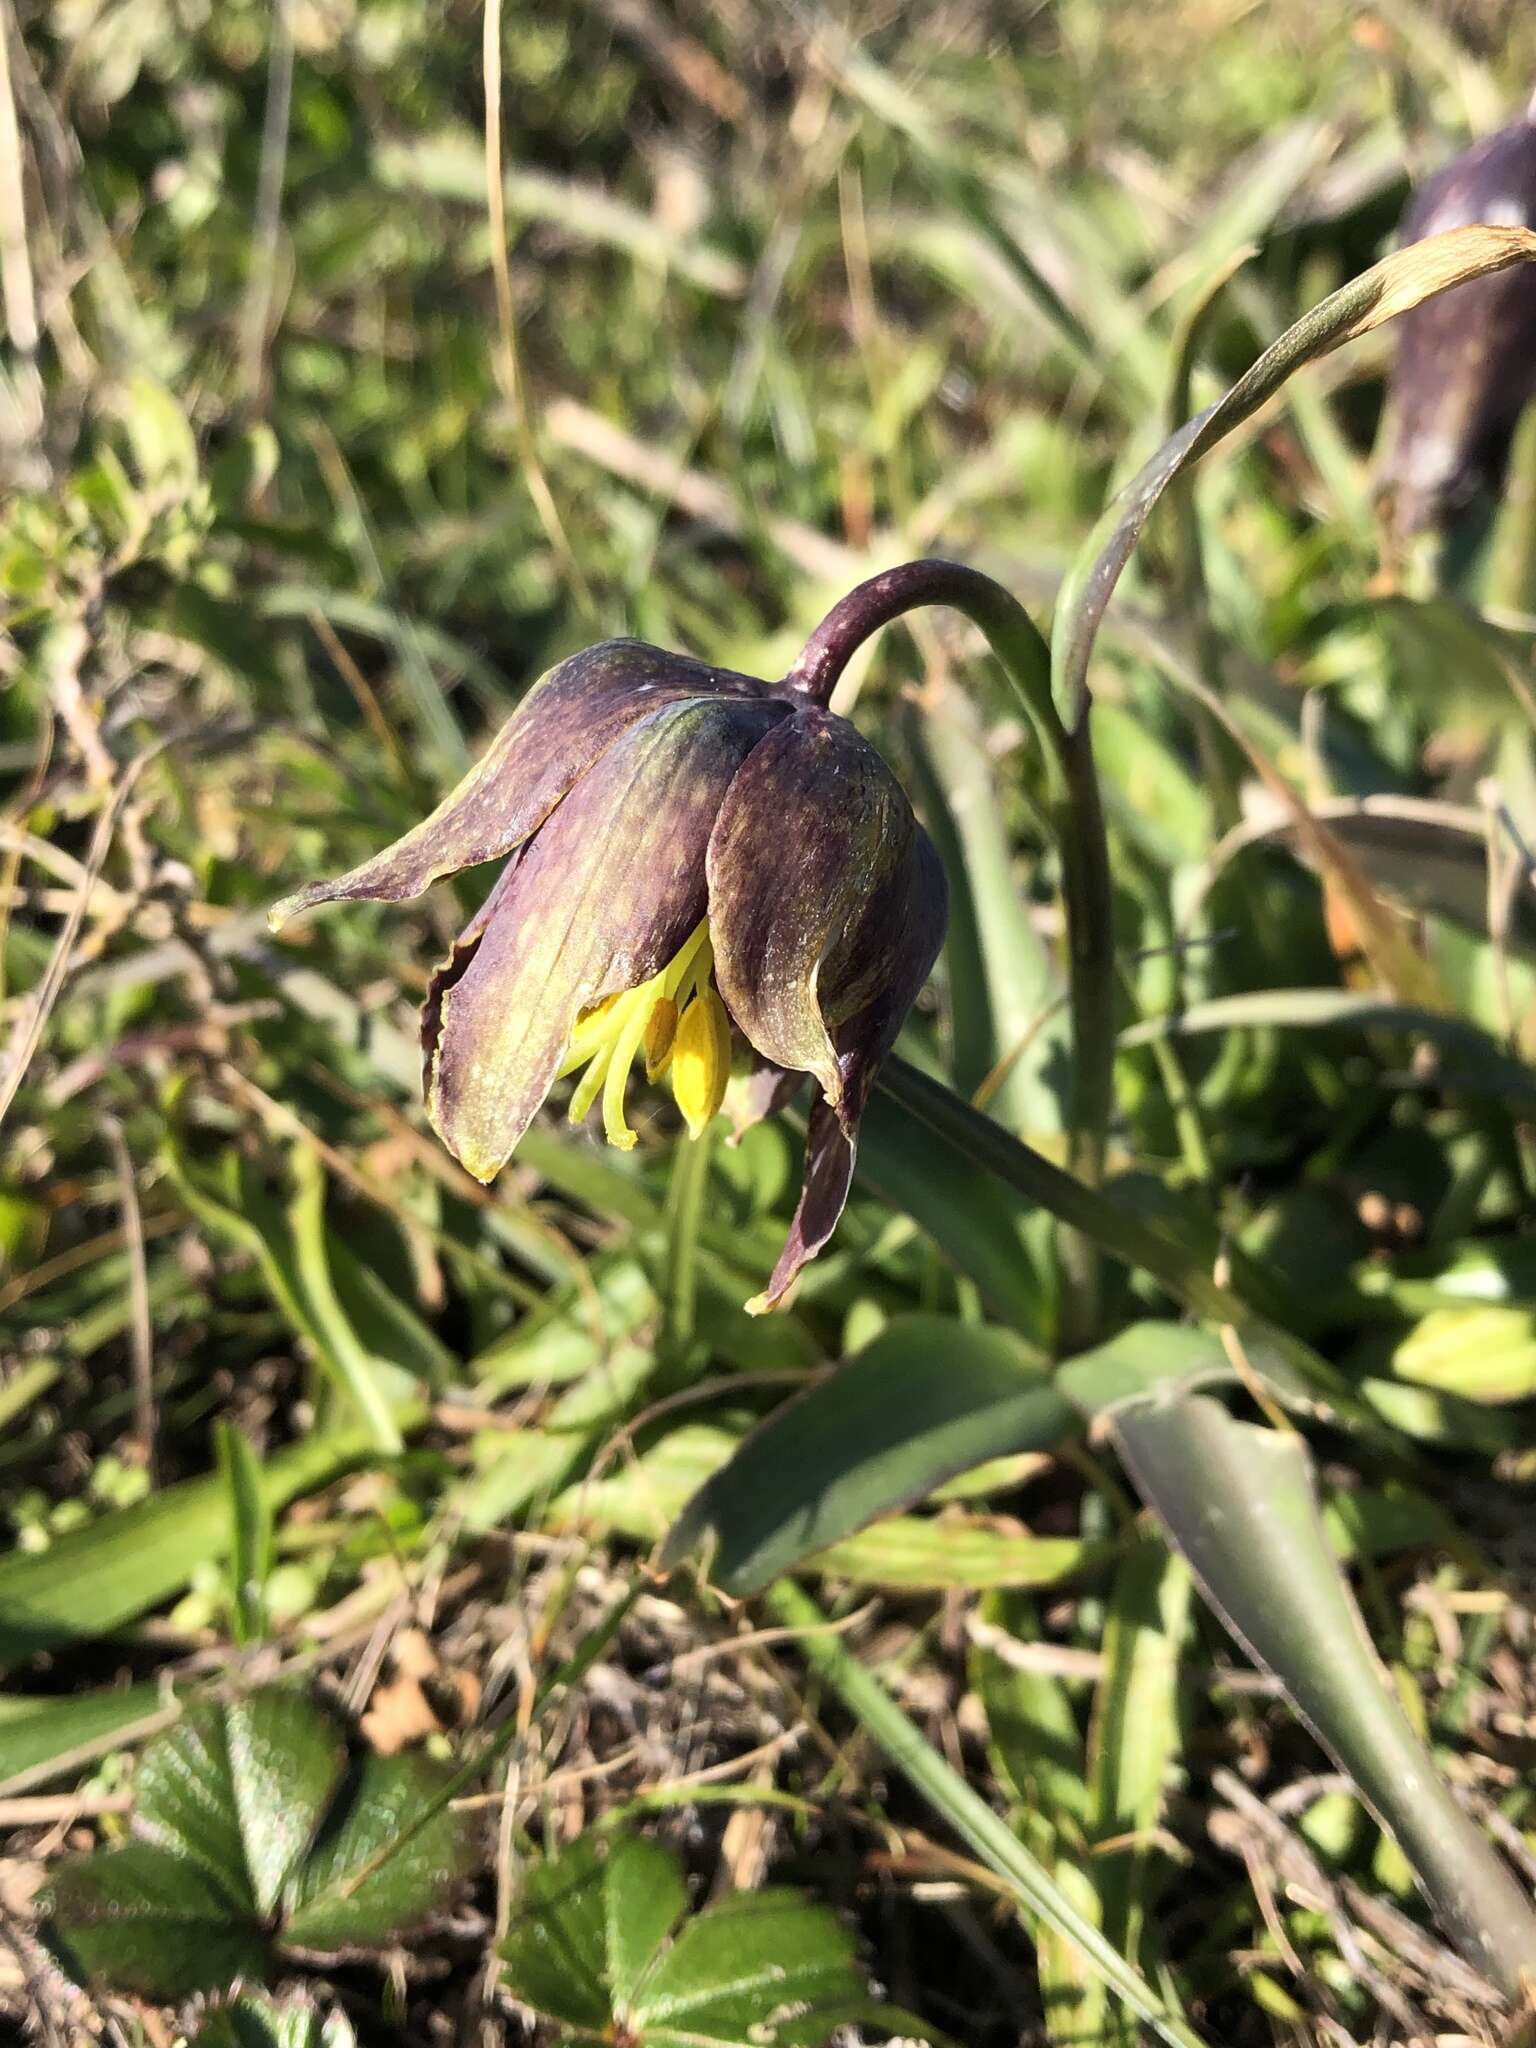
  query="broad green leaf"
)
[
  {"x": 242, "y": 1788},
  {"x": 185, "y": 1804},
  {"x": 927, "y": 1399},
  {"x": 252, "y": 1832},
  {"x": 644, "y": 1898},
  {"x": 556, "y": 1949},
  {"x": 601, "y": 1944},
  {"x": 144, "y": 1920},
  {"x": 980, "y": 1228},
  {"x": 944, "y": 1551},
  {"x": 1484, "y": 1355},
  {"x": 1145, "y": 1360},
  {"x": 385, "y": 1862},
  {"x": 763, "y": 1966},
  {"x": 1239, "y": 1503}
]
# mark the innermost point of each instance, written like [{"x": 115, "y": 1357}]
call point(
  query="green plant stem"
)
[
  {"x": 1078, "y": 816},
  {"x": 685, "y": 1211},
  {"x": 988, "y": 1836}
]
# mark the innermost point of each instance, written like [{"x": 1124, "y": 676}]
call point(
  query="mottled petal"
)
[
  {"x": 815, "y": 833},
  {"x": 598, "y": 900},
  {"x": 762, "y": 1091},
  {"x": 827, "y": 907},
  {"x": 567, "y": 721},
  {"x": 1466, "y": 360},
  {"x": 829, "y": 1157}
]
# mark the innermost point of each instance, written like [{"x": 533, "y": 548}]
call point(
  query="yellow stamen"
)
[
  {"x": 625, "y": 1046},
  {"x": 660, "y": 1031},
  {"x": 589, "y": 1087},
  {"x": 701, "y": 1060},
  {"x": 606, "y": 1039}
]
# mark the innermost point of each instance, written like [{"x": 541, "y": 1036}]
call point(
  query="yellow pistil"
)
[{"x": 680, "y": 1023}]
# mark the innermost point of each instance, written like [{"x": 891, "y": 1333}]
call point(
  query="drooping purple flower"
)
[
  {"x": 1466, "y": 361},
  {"x": 686, "y": 850}
]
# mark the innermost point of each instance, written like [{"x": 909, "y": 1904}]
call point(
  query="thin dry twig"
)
[
  {"x": 34, "y": 1020},
  {"x": 141, "y": 1335}
]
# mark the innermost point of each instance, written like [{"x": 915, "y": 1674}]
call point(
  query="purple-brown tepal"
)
[
  {"x": 687, "y": 850},
  {"x": 1466, "y": 360}
]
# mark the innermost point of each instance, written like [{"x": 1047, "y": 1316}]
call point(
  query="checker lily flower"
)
[
  {"x": 687, "y": 850},
  {"x": 1466, "y": 361}
]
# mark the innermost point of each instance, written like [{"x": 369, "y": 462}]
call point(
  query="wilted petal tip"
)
[{"x": 287, "y": 908}]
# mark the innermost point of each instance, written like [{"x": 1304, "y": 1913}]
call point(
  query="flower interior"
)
[{"x": 680, "y": 1024}]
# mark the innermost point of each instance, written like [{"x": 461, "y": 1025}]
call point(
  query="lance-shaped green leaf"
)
[
  {"x": 1028, "y": 1881},
  {"x": 1295, "y": 1373},
  {"x": 92, "y": 1580},
  {"x": 1475, "y": 1062},
  {"x": 1007, "y": 995},
  {"x": 980, "y": 1224},
  {"x": 1239, "y": 1503},
  {"x": 927, "y": 1399},
  {"x": 1401, "y": 281}
]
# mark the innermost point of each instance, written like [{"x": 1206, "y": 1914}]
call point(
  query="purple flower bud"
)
[
  {"x": 1466, "y": 361},
  {"x": 689, "y": 849}
]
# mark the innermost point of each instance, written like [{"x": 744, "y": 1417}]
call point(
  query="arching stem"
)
[{"x": 1076, "y": 813}]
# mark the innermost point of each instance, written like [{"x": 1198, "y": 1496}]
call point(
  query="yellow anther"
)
[
  {"x": 607, "y": 1038},
  {"x": 701, "y": 1060},
  {"x": 660, "y": 1031}
]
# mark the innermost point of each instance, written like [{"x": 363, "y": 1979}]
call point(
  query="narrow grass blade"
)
[
  {"x": 1480, "y": 1066},
  {"x": 988, "y": 1836},
  {"x": 1401, "y": 281},
  {"x": 1296, "y": 1371},
  {"x": 118, "y": 1567},
  {"x": 1005, "y": 992},
  {"x": 250, "y": 1529},
  {"x": 1135, "y": 1740}
]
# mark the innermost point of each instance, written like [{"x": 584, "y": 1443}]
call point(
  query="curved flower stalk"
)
[
  {"x": 687, "y": 850},
  {"x": 1466, "y": 361}
]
